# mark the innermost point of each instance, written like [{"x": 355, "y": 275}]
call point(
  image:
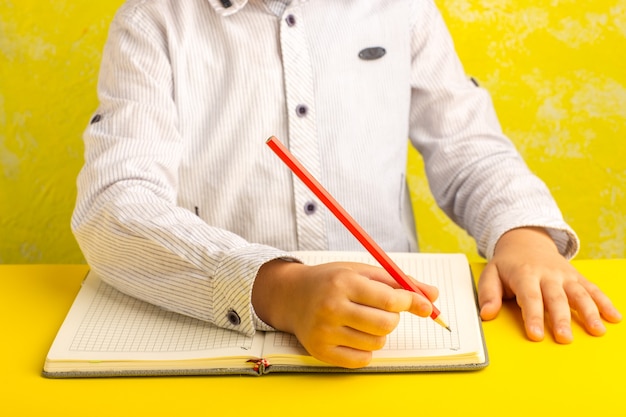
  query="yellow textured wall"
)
[
  {"x": 557, "y": 74},
  {"x": 556, "y": 70}
]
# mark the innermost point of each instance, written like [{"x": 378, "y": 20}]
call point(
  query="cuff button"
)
[{"x": 233, "y": 317}]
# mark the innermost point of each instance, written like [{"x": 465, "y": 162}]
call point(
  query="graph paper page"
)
[{"x": 110, "y": 325}]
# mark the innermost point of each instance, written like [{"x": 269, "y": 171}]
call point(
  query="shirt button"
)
[
  {"x": 302, "y": 110},
  {"x": 233, "y": 317},
  {"x": 369, "y": 54},
  {"x": 291, "y": 20},
  {"x": 310, "y": 207}
]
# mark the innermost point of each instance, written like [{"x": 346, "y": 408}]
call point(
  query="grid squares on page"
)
[
  {"x": 416, "y": 333},
  {"x": 286, "y": 340},
  {"x": 116, "y": 322}
]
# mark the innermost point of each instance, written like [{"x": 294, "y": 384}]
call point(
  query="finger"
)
[
  {"x": 489, "y": 292},
  {"x": 370, "y": 321},
  {"x": 374, "y": 273},
  {"x": 344, "y": 356},
  {"x": 378, "y": 274},
  {"x": 418, "y": 307},
  {"x": 530, "y": 300},
  {"x": 360, "y": 340},
  {"x": 584, "y": 305},
  {"x": 378, "y": 312},
  {"x": 603, "y": 303},
  {"x": 557, "y": 305},
  {"x": 379, "y": 295},
  {"x": 345, "y": 347},
  {"x": 430, "y": 291}
]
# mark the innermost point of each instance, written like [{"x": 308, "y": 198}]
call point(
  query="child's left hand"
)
[{"x": 527, "y": 265}]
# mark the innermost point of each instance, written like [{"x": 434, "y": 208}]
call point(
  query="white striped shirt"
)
[{"x": 180, "y": 201}]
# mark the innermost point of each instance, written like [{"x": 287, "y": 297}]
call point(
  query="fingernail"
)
[
  {"x": 564, "y": 334},
  {"x": 537, "y": 332},
  {"x": 598, "y": 325},
  {"x": 617, "y": 314}
]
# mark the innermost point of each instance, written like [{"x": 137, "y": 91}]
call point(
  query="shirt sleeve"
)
[
  {"x": 126, "y": 218},
  {"x": 476, "y": 175}
]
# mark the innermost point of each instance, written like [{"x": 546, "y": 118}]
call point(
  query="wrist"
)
[
  {"x": 272, "y": 290},
  {"x": 535, "y": 237}
]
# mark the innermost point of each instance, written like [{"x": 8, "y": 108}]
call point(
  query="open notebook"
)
[{"x": 107, "y": 333}]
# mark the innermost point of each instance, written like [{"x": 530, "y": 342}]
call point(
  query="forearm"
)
[
  {"x": 167, "y": 256},
  {"x": 476, "y": 174}
]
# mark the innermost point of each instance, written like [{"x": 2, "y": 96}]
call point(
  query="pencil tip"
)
[{"x": 442, "y": 323}]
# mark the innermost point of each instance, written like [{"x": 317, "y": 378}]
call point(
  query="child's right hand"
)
[{"x": 339, "y": 311}]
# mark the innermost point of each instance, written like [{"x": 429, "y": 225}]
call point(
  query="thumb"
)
[{"x": 489, "y": 292}]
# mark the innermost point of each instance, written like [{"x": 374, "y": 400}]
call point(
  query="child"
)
[{"x": 181, "y": 203}]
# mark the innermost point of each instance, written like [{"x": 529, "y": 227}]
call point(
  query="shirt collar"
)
[{"x": 228, "y": 7}]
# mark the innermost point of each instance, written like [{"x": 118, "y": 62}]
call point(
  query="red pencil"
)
[{"x": 342, "y": 215}]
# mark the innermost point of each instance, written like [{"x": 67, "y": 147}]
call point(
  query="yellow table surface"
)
[{"x": 586, "y": 378}]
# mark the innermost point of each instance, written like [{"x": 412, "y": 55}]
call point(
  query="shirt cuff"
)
[
  {"x": 232, "y": 287},
  {"x": 561, "y": 233}
]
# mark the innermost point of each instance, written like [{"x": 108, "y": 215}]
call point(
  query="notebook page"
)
[
  {"x": 414, "y": 336},
  {"x": 105, "y": 324}
]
